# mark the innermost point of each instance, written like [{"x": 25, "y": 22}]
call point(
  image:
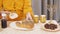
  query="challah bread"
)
[{"x": 25, "y": 24}]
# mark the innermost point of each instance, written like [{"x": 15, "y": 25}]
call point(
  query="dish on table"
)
[
  {"x": 22, "y": 25},
  {"x": 53, "y": 27}
]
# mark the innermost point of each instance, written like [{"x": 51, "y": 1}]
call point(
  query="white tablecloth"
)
[{"x": 37, "y": 30}]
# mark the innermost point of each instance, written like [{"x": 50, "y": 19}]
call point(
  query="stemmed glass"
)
[{"x": 51, "y": 9}]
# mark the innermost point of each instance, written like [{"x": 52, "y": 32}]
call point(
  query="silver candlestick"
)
[{"x": 51, "y": 9}]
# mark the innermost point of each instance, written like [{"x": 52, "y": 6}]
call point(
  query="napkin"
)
[{"x": 28, "y": 16}]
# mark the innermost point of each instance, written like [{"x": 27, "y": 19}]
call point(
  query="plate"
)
[
  {"x": 54, "y": 22},
  {"x": 13, "y": 15},
  {"x": 13, "y": 25}
]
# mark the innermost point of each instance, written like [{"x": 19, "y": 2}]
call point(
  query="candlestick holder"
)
[{"x": 51, "y": 9}]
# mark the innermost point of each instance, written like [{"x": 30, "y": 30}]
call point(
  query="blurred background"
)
[{"x": 40, "y": 7}]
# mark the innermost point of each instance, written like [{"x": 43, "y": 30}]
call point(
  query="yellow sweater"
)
[
  {"x": 0, "y": 4},
  {"x": 22, "y": 7},
  {"x": 28, "y": 7},
  {"x": 8, "y": 4},
  {"x": 0, "y": 8}
]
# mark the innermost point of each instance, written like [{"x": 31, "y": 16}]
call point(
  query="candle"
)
[{"x": 51, "y": 12}]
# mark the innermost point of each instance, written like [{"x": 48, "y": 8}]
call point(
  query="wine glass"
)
[{"x": 51, "y": 8}]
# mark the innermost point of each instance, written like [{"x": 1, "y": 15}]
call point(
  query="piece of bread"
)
[{"x": 26, "y": 24}]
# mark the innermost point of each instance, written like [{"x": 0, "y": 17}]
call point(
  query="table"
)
[{"x": 10, "y": 30}]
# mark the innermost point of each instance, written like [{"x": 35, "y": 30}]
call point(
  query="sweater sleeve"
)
[
  {"x": 19, "y": 4},
  {"x": 28, "y": 7},
  {"x": 8, "y": 4},
  {"x": 0, "y": 4}
]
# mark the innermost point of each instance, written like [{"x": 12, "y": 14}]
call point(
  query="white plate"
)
[
  {"x": 13, "y": 25},
  {"x": 13, "y": 15},
  {"x": 54, "y": 22}
]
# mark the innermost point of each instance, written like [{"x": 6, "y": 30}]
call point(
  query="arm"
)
[
  {"x": 8, "y": 4},
  {"x": 28, "y": 8},
  {"x": 0, "y": 4}
]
